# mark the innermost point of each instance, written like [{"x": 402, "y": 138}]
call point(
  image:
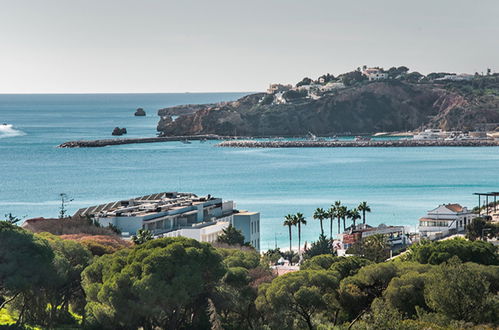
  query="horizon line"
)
[{"x": 92, "y": 93}]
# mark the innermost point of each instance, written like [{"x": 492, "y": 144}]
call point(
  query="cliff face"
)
[{"x": 372, "y": 107}]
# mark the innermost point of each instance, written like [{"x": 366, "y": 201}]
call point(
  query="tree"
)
[
  {"x": 236, "y": 293},
  {"x": 405, "y": 293},
  {"x": 438, "y": 252},
  {"x": 49, "y": 304},
  {"x": 354, "y": 215},
  {"x": 64, "y": 204},
  {"x": 343, "y": 213},
  {"x": 348, "y": 266},
  {"x": 331, "y": 213},
  {"x": 319, "y": 262},
  {"x": 353, "y": 77},
  {"x": 339, "y": 210},
  {"x": 320, "y": 214},
  {"x": 299, "y": 219},
  {"x": 459, "y": 292},
  {"x": 294, "y": 94},
  {"x": 305, "y": 81},
  {"x": 357, "y": 292},
  {"x": 374, "y": 248},
  {"x": 231, "y": 236},
  {"x": 25, "y": 265},
  {"x": 363, "y": 207},
  {"x": 293, "y": 300},
  {"x": 165, "y": 282},
  {"x": 11, "y": 218},
  {"x": 321, "y": 246},
  {"x": 143, "y": 235},
  {"x": 289, "y": 221},
  {"x": 414, "y": 77},
  {"x": 479, "y": 227}
]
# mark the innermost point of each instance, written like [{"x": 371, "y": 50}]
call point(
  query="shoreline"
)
[{"x": 364, "y": 144}]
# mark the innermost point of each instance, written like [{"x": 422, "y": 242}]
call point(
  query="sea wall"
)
[
  {"x": 111, "y": 142},
  {"x": 372, "y": 143}
]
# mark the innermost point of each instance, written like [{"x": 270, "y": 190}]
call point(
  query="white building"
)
[
  {"x": 375, "y": 74},
  {"x": 457, "y": 77},
  {"x": 171, "y": 214},
  {"x": 446, "y": 219},
  {"x": 332, "y": 86}
]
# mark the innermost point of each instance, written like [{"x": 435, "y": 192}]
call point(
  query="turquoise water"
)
[{"x": 400, "y": 184}]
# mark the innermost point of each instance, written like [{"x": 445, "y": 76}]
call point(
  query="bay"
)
[{"x": 400, "y": 184}]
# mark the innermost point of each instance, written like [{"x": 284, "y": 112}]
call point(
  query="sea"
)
[{"x": 399, "y": 184}]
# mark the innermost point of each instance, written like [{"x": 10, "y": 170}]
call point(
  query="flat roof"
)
[
  {"x": 245, "y": 213},
  {"x": 493, "y": 193}
]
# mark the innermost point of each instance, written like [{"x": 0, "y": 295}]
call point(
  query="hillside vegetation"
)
[{"x": 348, "y": 104}]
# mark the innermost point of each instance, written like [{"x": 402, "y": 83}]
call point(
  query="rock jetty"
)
[
  {"x": 140, "y": 112},
  {"x": 349, "y": 144},
  {"x": 111, "y": 142}
]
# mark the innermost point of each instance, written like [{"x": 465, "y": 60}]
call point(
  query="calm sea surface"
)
[{"x": 400, "y": 184}]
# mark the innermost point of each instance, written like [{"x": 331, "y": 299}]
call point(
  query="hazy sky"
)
[{"x": 84, "y": 46}]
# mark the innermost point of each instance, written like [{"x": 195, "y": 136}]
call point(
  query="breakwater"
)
[
  {"x": 372, "y": 143},
  {"x": 112, "y": 142}
]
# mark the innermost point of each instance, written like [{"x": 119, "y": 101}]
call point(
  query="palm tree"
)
[
  {"x": 331, "y": 213},
  {"x": 364, "y": 208},
  {"x": 354, "y": 215},
  {"x": 338, "y": 213},
  {"x": 300, "y": 220},
  {"x": 289, "y": 221},
  {"x": 320, "y": 215},
  {"x": 343, "y": 212}
]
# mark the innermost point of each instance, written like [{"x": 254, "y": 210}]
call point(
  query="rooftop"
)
[{"x": 144, "y": 205}]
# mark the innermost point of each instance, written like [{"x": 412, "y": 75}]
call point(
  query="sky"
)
[{"x": 147, "y": 46}]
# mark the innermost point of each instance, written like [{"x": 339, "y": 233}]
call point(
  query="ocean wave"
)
[{"x": 7, "y": 130}]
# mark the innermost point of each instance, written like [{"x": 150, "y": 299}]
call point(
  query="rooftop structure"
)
[
  {"x": 176, "y": 214},
  {"x": 445, "y": 220},
  {"x": 490, "y": 209}
]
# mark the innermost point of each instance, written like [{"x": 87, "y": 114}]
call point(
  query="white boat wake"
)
[{"x": 7, "y": 130}]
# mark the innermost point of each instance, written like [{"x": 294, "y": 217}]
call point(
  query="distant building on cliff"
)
[
  {"x": 171, "y": 214},
  {"x": 446, "y": 219},
  {"x": 457, "y": 77},
  {"x": 375, "y": 74},
  {"x": 275, "y": 88}
]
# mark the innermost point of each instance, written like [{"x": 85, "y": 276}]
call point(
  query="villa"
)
[
  {"x": 375, "y": 74},
  {"x": 171, "y": 214},
  {"x": 445, "y": 220}
]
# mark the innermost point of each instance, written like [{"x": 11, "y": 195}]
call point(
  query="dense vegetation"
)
[{"x": 179, "y": 283}]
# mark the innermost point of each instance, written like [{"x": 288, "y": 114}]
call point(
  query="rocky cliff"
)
[{"x": 362, "y": 109}]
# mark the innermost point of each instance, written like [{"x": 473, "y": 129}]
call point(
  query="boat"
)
[
  {"x": 186, "y": 142},
  {"x": 429, "y": 134}
]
